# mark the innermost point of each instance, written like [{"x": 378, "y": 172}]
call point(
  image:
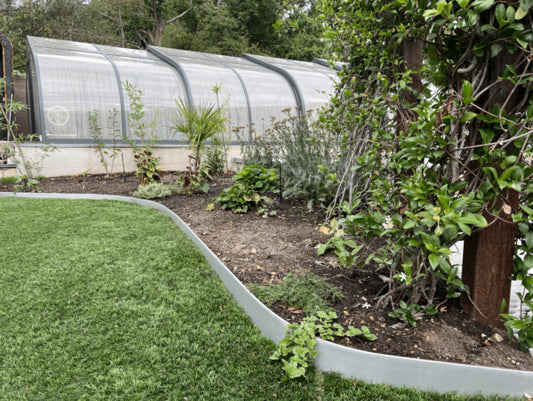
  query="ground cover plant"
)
[{"x": 101, "y": 300}]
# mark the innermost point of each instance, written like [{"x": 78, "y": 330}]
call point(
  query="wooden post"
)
[
  {"x": 488, "y": 253},
  {"x": 488, "y": 263}
]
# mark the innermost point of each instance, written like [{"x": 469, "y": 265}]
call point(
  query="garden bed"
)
[{"x": 264, "y": 250}]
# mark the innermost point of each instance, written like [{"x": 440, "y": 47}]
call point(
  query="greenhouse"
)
[{"x": 70, "y": 81}]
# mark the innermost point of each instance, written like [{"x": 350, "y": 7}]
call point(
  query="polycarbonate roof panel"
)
[
  {"x": 62, "y": 44},
  {"x": 314, "y": 81},
  {"x": 212, "y": 82},
  {"x": 159, "y": 83},
  {"x": 73, "y": 83},
  {"x": 269, "y": 93}
]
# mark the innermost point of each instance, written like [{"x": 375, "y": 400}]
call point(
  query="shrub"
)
[
  {"x": 250, "y": 184},
  {"x": 307, "y": 155},
  {"x": 155, "y": 190}
]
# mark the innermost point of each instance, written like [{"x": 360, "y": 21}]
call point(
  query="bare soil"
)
[{"x": 264, "y": 250}]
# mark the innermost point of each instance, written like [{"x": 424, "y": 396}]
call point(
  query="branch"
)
[
  {"x": 108, "y": 17},
  {"x": 181, "y": 15}
]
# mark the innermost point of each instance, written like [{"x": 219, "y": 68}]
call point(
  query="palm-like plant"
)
[{"x": 198, "y": 124}]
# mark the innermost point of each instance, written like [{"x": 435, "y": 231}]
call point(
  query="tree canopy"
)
[{"x": 280, "y": 28}]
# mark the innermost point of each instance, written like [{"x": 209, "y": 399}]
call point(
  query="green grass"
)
[{"x": 103, "y": 300}]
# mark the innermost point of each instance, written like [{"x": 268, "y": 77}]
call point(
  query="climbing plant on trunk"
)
[{"x": 443, "y": 145}]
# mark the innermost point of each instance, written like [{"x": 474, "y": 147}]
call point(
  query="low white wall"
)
[{"x": 64, "y": 160}]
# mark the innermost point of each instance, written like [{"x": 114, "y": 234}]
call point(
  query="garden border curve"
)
[{"x": 443, "y": 377}]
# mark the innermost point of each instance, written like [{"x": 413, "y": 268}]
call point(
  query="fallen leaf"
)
[{"x": 325, "y": 230}]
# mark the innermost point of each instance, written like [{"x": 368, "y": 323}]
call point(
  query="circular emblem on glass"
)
[{"x": 57, "y": 115}]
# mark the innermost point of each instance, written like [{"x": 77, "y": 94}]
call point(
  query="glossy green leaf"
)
[
  {"x": 469, "y": 115},
  {"x": 526, "y": 4},
  {"x": 495, "y": 49},
  {"x": 482, "y": 5},
  {"x": 434, "y": 260},
  {"x": 501, "y": 15},
  {"x": 467, "y": 92}
]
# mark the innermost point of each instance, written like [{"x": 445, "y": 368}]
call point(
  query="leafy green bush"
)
[
  {"x": 308, "y": 292},
  {"x": 193, "y": 181},
  {"x": 250, "y": 184},
  {"x": 155, "y": 190}
]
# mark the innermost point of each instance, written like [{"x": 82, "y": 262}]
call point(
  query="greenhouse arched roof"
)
[{"x": 72, "y": 85}]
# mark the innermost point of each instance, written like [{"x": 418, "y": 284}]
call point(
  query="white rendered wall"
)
[{"x": 67, "y": 160}]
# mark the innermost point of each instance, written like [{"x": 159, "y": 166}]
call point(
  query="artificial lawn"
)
[{"x": 104, "y": 300}]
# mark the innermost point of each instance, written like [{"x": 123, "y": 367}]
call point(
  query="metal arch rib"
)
[
  {"x": 325, "y": 63},
  {"x": 248, "y": 104},
  {"x": 177, "y": 66},
  {"x": 123, "y": 116},
  {"x": 32, "y": 54},
  {"x": 292, "y": 82},
  {"x": 7, "y": 70}
]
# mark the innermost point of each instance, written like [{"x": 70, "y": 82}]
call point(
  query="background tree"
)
[
  {"x": 59, "y": 19},
  {"x": 229, "y": 27},
  {"x": 216, "y": 31}
]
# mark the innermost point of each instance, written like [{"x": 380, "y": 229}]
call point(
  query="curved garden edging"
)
[{"x": 351, "y": 363}]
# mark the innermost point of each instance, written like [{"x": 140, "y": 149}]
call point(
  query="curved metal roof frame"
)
[
  {"x": 287, "y": 75},
  {"x": 246, "y": 95},
  {"x": 123, "y": 116},
  {"x": 177, "y": 66},
  {"x": 39, "y": 124}
]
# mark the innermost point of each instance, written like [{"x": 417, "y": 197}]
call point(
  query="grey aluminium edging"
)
[{"x": 371, "y": 367}]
